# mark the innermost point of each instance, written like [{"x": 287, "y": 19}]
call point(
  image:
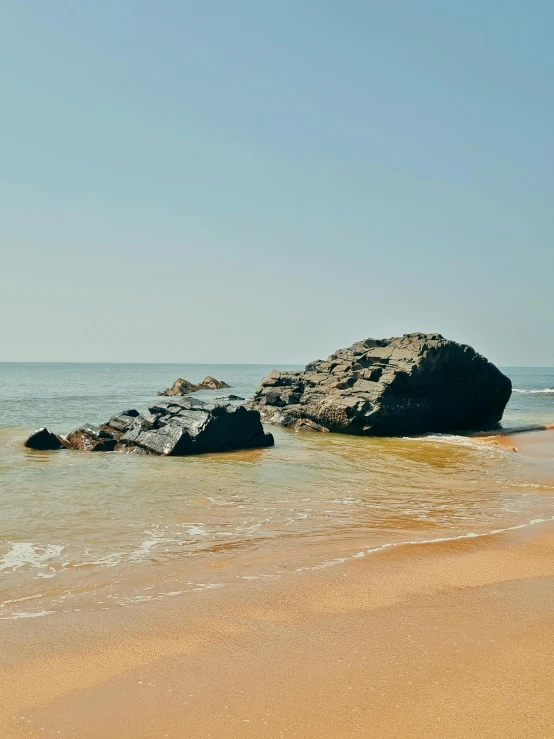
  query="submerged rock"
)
[
  {"x": 413, "y": 384},
  {"x": 175, "y": 427},
  {"x": 43, "y": 440},
  {"x": 184, "y": 387},
  {"x": 231, "y": 397}
]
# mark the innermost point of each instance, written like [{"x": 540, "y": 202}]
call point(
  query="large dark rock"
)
[
  {"x": 179, "y": 426},
  {"x": 413, "y": 384},
  {"x": 43, "y": 440}
]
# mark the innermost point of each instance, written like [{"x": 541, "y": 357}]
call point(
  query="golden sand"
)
[
  {"x": 443, "y": 640},
  {"x": 532, "y": 439}
]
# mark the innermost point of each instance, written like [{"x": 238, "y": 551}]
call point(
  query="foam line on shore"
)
[
  {"x": 513, "y": 431},
  {"x": 534, "y": 391},
  {"x": 199, "y": 587},
  {"x": 418, "y": 542}
]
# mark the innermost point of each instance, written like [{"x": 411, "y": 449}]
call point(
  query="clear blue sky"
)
[{"x": 244, "y": 181}]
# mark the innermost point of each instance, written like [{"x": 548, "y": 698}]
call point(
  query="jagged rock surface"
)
[
  {"x": 179, "y": 387},
  {"x": 184, "y": 387},
  {"x": 414, "y": 384},
  {"x": 210, "y": 383},
  {"x": 175, "y": 427}
]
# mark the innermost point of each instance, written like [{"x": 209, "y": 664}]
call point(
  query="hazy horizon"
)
[
  {"x": 246, "y": 183},
  {"x": 276, "y": 365}
]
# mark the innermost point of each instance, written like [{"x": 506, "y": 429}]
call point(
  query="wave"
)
[
  {"x": 470, "y": 442},
  {"x": 196, "y": 586},
  {"x": 534, "y": 391},
  {"x": 419, "y": 542},
  {"x": 25, "y": 553}
]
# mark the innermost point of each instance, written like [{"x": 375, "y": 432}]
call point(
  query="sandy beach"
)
[
  {"x": 277, "y": 370},
  {"x": 436, "y": 640},
  {"x": 322, "y": 632}
]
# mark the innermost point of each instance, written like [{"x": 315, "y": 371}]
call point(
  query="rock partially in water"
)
[
  {"x": 90, "y": 438},
  {"x": 43, "y": 440},
  {"x": 175, "y": 427},
  {"x": 180, "y": 387},
  {"x": 414, "y": 384},
  {"x": 231, "y": 397},
  {"x": 184, "y": 387},
  {"x": 210, "y": 383}
]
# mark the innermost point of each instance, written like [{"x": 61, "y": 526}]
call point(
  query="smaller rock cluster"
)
[
  {"x": 176, "y": 427},
  {"x": 184, "y": 387}
]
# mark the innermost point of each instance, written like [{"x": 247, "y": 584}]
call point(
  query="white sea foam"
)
[
  {"x": 196, "y": 529},
  {"x": 25, "y": 614},
  {"x": 156, "y": 538},
  {"x": 20, "y": 600},
  {"x": 142, "y": 550},
  {"x": 418, "y": 542},
  {"x": 534, "y": 391},
  {"x": 467, "y": 441},
  {"x": 26, "y": 553},
  {"x": 360, "y": 554}
]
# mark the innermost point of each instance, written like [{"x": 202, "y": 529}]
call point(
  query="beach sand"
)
[
  {"x": 449, "y": 639},
  {"x": 445, "y": 639},
  {"x": 536, "y": 443}
]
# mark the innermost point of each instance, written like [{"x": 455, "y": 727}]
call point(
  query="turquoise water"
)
[{"x": 89, "y": 531}]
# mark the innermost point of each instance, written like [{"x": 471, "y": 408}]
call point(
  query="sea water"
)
[{"x": 87, "y": 531}]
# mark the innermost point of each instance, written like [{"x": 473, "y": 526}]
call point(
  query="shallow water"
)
[{"x": 82, "y": 530}]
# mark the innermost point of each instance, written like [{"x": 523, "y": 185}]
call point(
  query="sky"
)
[{"x": 255, "y": 181}]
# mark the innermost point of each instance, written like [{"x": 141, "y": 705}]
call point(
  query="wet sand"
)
[
  {"x": 452, "y": 639},
  {"x": 537, "y": 442}
]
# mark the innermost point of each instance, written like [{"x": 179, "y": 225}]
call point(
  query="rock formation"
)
[
  {"x": 414, "y": 384},
  {"x": 42, "y": 439},
  {"x": 180, "y": 426},
  {"x": 210, "y": 383},
  {"x": 180, "y": 387},
  {"x": 184, "y": 387}
]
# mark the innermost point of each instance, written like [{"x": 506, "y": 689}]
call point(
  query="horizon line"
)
[
  {"x": 98, "y": 361},
  {"x": 251, "y": 364}
]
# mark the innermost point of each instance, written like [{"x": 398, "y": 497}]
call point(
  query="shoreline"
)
[
  {"x": 531, "y": 440},
  {"x": 445, "y": 639}
]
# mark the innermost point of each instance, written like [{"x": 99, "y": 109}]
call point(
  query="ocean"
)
[{"x": 100, "y": 531}]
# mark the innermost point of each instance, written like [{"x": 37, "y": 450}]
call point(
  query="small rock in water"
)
[
  {"x": 210, "y": 383},
  {"x": 184, "y": 387},
  {"x": 180, "y": 387},
  {"x": 43, "y": 440},
  {"x": 230, "y": 397}
]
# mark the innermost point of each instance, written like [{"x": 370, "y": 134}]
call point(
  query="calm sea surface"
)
[{"x": 87, "y": 531}]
